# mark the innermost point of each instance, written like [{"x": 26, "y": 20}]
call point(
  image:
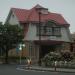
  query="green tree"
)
[
  {"x": 10, "y": 36},
  {"x": 66, "y": 56}
]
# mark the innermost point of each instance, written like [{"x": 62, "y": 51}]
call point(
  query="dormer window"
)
[{"x": 42, "y": 10}]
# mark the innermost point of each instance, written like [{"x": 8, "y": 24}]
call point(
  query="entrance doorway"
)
[{"x": 45, "y": 49}]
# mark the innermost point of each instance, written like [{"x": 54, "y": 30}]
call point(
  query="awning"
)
[{"x": 48, "y": 42}]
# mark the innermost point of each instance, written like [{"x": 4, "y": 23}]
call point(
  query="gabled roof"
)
[
  {"x": 31, "y": 15},
  {"x": 21, "y": 14}
]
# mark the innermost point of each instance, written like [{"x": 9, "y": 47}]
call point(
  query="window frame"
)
[{"x": 46, "y": 33}]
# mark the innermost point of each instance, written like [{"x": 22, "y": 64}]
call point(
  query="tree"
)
[
  {"x": 66, "y": 56},
  {"x": 10, "y": 36}
]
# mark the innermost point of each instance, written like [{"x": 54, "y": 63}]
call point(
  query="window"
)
[
  {"x": 49, "y": 31},
  {"x": 57, "y": 31},
  {"x": 44, "y": 11}
]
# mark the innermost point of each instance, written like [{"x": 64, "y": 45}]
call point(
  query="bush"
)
[
  {"x": 50, "y": 58},
  {"x": 66, "y": 56}
]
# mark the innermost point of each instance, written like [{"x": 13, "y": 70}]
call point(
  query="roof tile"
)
[{"x": 24, "y": 15}]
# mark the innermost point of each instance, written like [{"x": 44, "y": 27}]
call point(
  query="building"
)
[
  {"x": 44, "y": 31},
  {"x": 73, "y": 42}
]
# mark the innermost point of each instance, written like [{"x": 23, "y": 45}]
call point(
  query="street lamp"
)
[
  {"x": 40, "y": 11},
  {"x": 39, "y": 30},
  {"x": 20, "y": 48},
  {"x": 39, "y": 26}
]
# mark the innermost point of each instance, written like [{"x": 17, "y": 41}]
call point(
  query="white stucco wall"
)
[
  {"x": 65, "y": 35},
  {"x": 32, "y": 35},
  {"x": 13, "y": 19}
]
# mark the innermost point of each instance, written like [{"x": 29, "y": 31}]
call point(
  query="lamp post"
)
[
  {"x": 38, "y": 9},
  {"x": 39, "y": 26},
  {"x": 39, "y": 29},
  {"x": 20, "y": 48},
  {"x": 39, "y": 36}
]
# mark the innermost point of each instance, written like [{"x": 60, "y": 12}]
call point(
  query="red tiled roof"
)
[
  {"x": 21, "y": 14},
  {"x": 24, "y": 15}
]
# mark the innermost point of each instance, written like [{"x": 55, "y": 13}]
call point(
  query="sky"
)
[{"x": 64, "y": 7}]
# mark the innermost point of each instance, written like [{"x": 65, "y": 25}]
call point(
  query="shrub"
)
[
  {"x": 66, "y": 56},
  {"x": 50, "y": 57},
  {"x": 53, "y": 56}
]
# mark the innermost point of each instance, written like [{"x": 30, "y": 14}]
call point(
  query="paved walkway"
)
[{"x": 39, "y": 68}]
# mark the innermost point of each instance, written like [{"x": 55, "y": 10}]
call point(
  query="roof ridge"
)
[
  {"x": 38, "y": 6},
  {"x": 19, "y": 8},
  {"x": 54, "y": 13}
]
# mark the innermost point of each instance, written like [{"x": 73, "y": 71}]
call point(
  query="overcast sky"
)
[{"x": 64, "y": 7}]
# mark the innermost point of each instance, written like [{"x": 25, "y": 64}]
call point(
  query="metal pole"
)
[
  {"x": 20, "y": 52},
  {"x": 39, "y": 26},
  {"x": 39, "y": 37},
  {"x": 20, "y": 57}
]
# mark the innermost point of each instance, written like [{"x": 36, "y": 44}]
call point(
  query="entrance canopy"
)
[{"x": 48, "y": 42}]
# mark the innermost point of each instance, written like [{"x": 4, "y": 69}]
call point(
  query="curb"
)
[{"x": 38, "y": 69}]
